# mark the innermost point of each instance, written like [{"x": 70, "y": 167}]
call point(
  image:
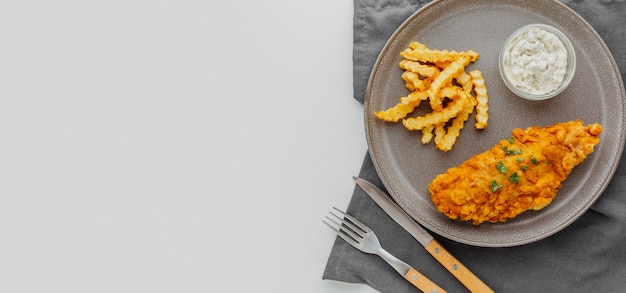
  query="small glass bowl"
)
[{"x": 569, "y": 71}]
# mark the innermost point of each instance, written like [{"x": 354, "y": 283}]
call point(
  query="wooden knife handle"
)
[
  {"x": 421, "y": 282},
  {"x": 463, "y": 274}
]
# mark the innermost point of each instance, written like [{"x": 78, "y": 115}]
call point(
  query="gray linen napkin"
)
[{"x": 587, "y": 256}]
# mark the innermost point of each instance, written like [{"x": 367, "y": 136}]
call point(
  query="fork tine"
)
[
  {"x": 347, "y": 228},
  {"x": 345, "y": 237},
  {"x": 350, "y": 229},
  {"x": 334, "y": 222},
  {"x": 352, "y": 219},
  {"x": 352, "y": 241}
]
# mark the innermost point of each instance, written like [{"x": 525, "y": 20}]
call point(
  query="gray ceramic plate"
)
[{"x": 596, "y": 94}]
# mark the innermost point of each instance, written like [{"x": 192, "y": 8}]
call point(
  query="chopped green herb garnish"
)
[
  {"x": 511, "y": 140},
  {"x": 495, "y": 186},
  {"x": 511, "y": 152},
  {"x": 502, "y": 168},
  {"x": 534, "y": 160},
  {"x": 519, "y": 160},
  {"x": 524, "y": 168},
  {"x": 514, "y": 178}
]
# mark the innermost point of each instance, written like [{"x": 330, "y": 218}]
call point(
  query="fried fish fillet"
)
[{"x": 519, "y": 174}]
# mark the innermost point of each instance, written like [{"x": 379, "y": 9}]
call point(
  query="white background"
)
[{"x": 174, "y": 146}]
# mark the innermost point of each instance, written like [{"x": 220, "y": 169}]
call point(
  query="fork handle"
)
[{"x": 421, "y": 282}]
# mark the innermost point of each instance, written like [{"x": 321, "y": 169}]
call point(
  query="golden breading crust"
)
[{"x": 521, "y": 173}]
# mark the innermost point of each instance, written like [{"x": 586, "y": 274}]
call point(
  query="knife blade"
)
[{"x": 453, "y": 265}]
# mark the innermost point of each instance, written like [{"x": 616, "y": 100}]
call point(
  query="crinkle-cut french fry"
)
[
  {"x": 427, "y": 134},
  {"x": 403, "y": 108},
  {"x": 424, "y": 70},
  {"x": 414, "y": 83},
  {"x": 426, "y": 55},
  {"x": 416, "y": 45},
  {"x": 436, "y": 75},
  {"x": 449, "y": 139},
  {"x": 442, "y": 64},
  {"x": 440, "y": 132},
  {"x": 450, "y": 110},
  {"x": 408, "y": 78},
  {"x": 449, "y": 92},
  {"x": 436, "y": 101},
  {"x": 448, "y": 74},
  {"x": 482, "y": 107},
  {"x": 465, "y": 81}
]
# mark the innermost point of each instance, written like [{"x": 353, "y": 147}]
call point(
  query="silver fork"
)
[{"x": 363, "y": 238}]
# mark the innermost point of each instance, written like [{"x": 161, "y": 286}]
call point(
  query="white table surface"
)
[{"x": 174, "y": 146}]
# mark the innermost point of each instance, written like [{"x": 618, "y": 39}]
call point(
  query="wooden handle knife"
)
[{"x": 454, "y": 266}]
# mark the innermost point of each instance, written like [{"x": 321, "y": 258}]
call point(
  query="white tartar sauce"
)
[{"x": 535, "y": 61}]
